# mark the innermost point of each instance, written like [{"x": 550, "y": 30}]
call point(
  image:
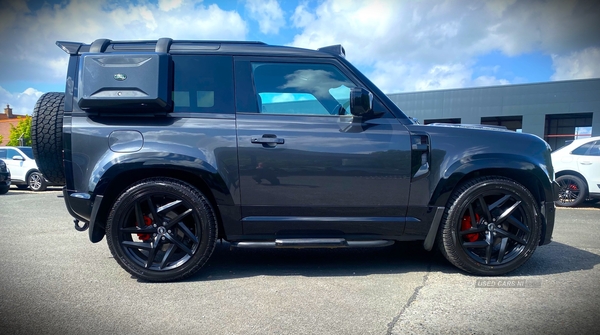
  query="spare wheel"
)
[{"x": 47, "y": 136}]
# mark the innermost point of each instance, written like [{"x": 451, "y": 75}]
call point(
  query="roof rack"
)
[{"x": 162, "y": 44}]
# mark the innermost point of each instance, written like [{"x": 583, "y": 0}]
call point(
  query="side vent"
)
[{"x": 420, "y": 155}]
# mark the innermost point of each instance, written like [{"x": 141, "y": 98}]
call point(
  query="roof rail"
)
[{"x": 337, "y": 50}]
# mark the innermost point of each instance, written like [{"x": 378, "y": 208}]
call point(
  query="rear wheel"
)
[
  {"x": 491, "y": 226},
  {"x": 161, "y": 229},
  {"x": 4, "y": 189},
  {"x": 572, "y": 191}
]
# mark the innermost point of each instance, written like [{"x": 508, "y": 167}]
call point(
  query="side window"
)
[
  {"x": 582, "y": 149},
  {"x": 301, "y": 89},
  {"x": 2, "y": 153},
  {"x": 203, "y": 84},
  {"x": 595, "y": 149},
  {"x": 10, "y": 153}
]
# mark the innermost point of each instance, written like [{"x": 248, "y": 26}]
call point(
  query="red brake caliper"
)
[
  {"x": 147, "y": 222},
  {"x": 466, "y": 225}
]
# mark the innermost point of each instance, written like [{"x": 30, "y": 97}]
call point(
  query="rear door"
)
[{"x": 307, "y": 166}]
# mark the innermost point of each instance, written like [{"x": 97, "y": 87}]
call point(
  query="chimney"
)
[{"x": 8, "y": 112}]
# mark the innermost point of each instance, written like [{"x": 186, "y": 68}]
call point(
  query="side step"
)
[{"x": 301, "y": 243}]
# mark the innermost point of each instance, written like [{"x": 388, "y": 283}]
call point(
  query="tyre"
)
[
  {"x": 490, "y": 227},
  {"x": 572, "y": 192},
  {"x": 36, "y": 182},
  {"x": 161, "y": 229},
  {"x": 4, "y": 189},
  {"x": 47, "y": 136}
]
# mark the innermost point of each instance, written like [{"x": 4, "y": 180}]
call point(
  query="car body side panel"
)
[{"x": 200, "y": 147}]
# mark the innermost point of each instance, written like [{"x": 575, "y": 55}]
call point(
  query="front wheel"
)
[
  {"x": 491, "y": 226},
  {"x": 4, "y": 189},
  {"x": 36, "y": 182},
  {"x": 161, "y": 229}
]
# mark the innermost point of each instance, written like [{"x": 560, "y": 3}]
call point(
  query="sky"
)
[{"x": 401, "y": 45}]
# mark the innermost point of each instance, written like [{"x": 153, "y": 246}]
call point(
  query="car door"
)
[
  {"x": 588, "y": 164},
  {"x": 307, "y": 166}
]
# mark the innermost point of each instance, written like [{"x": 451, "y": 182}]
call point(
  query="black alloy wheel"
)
[
  {"x": 491, "y": 226},
  {"x": 161, "y": 229},
  {"x": 572, "y": 191}
]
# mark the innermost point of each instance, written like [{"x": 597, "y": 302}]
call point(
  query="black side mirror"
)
[{"x": 361, "y": 101}]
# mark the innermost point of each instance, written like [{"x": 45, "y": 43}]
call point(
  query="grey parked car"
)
[{"x": 167, "y": 146}]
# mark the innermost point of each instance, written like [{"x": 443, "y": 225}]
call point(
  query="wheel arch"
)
[
  {"x": 210, "y": 184},
  {"x": 29, "y": 174},
  {"x": 519, "y": 170}
]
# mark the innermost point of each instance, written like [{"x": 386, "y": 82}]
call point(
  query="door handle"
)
[
  {"x": 585, "y": 163},
  {"x": 267, "y": 140}
]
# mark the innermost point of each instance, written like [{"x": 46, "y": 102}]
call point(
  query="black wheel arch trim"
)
[
  {"x": 516, "y": 167},
  {"x": 114, "y": 179}
]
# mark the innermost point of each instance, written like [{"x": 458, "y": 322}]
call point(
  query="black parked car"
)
[
  {"x": 4, "y": 178},
  {"x": 166, "y": 146}
]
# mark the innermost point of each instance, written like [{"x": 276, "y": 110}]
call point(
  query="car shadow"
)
[{"x": 228, "y": 263}]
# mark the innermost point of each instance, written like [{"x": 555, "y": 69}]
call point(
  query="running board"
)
[{"x": 301, "y": 243}]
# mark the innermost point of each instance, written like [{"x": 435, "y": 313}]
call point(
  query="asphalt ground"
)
[{"x": 53, "y": 280}]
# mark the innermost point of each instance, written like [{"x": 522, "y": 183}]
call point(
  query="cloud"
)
[
  {"x": 21, "y": 103},
  {"x": 167, "y": 5},
  {"x": 435, "y": 44},
  {"x": 29, "y": 54},
  {"x": 577, "y": 65},
  {"x": 394, "y": 77},
  {"x": 267, "y": 13}
]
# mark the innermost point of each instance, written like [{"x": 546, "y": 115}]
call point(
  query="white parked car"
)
[
  {"x": 577, "y": 169},
  {"x": 23, "y": 168}
]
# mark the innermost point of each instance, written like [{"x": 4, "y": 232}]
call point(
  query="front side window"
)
[
  {"x": 203, "y": 84},
  {"x": 10, "y": 153},
  {"x": 301, "y": 89}
]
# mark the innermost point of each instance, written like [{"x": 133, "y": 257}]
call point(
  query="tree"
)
[
  {"x": 1, "y": 139},
  {"x": 22, "y": 130}
]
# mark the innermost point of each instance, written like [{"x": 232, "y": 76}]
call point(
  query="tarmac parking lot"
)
[{"x": 53, "y": 280}]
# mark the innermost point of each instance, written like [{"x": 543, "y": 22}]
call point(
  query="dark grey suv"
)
[{"x": 167, "y": 146}]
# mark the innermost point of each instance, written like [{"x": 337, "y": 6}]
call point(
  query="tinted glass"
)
[
  {"x": 28, "y": 152},
  {"x": 301, "y": 89},
  {"x": 595, "y": 149},
  {"x": 10, "y": 153},
  {"x": 582, "y": 149},
  {"x": 203, "y": 84},
  {"x": 2, "y": 153}
]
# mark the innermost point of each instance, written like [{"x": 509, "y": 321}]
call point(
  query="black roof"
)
[{"x": 190, "y": 46}]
